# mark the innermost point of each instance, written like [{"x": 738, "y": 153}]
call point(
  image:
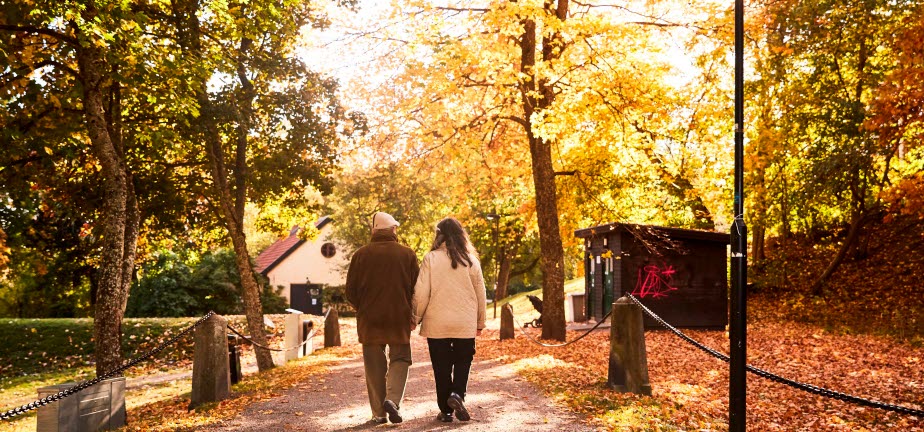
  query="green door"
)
[{"x": 607, "y": 285}]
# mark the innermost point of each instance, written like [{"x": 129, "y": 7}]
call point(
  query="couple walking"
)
[{"x": 392, "y": 295}]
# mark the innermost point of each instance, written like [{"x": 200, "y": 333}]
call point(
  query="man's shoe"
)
[
  {"x": 393, "y": 415},
  {"x": 444, "y": 417},
  {"x": 379, "y": 420},
  {"x": 455, "y": 402}
]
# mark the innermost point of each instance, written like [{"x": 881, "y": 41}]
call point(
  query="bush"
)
[{"x": 181, "y": 284}]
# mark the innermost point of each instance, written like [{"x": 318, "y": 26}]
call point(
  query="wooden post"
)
[
  {"x": 211, "y": 380},
  {"x": 506, "y": 328},
  {"x": 332, "y": 329},
  {"x": 628, "y": 369}
]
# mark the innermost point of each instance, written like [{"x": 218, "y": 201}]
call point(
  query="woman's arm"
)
[
  {"x": 421, "y": 291},
  {"x": 480, "y": 294}
]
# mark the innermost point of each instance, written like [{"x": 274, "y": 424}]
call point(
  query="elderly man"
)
[{"x": 380, "y": 286}]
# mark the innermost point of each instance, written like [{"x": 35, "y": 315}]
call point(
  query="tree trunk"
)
[
  {"x": 550, "y": 245},
  {"x": 503, "y": 275},
  {"x": 857, "y": 222},
  {"x": 115, "y": 216},
  {"x": 253, "y": 310},
  {"x": 757, "y": 242},
  {"x": 230, "y": 202}
]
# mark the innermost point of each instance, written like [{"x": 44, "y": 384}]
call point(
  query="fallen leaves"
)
[
  {"x": 171, "y": 414},
  {"x": 690, "y": 388}
]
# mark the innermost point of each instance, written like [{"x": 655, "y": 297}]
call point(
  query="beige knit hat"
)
[{"x": 382, "y": 220}]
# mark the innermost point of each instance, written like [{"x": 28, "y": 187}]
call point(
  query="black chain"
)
[
  {"x": 773, "y": 377},
  {"x": 65, "y": 393},
  {"x": 307, "y": 338},
  {"x": 533, "y": 340}
]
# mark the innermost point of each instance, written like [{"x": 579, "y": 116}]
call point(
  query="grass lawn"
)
[
  {"x": 522, "y": 308},
  {"x": 159, "y": 406},
  {"x": 41, "y": 352}
]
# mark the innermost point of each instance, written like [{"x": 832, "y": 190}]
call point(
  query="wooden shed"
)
[{"x": 680, "y": 274}]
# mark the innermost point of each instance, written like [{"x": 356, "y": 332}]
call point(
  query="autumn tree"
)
[
  {"x": 270, "y": 128},
  {"x": 76, "y": 61},
  {"x": 824, "y": 64},
  {"x": 582, "y": 88}
]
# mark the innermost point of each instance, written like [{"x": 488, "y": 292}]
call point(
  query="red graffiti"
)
[{"x": 655, "y": 283}]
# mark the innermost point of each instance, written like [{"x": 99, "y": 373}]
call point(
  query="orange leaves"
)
[
  {"x": 896, "y": 109},
  {"x": 690, "y": 389},
  {"x": 906, "y": 197}
]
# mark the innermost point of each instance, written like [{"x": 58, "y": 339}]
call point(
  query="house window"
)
[{"x": 328, "y": 250}]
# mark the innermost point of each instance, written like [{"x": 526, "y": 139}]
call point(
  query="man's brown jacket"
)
[{"x": 380, "y": 286}]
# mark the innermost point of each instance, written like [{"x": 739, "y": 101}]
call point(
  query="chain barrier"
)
[
  {"x": 65, "y": 393},
  {"x": 786, "y": 381},
  {"x": 535, "y": 341},
  {"x": 307, "y": 338}
]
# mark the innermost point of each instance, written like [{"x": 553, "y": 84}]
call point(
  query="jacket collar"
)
[{"x": 384, "y": 236}]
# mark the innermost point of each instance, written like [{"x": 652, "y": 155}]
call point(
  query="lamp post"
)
[
  {"x": 496, "y": 219},
  {"x": 737, "y": 326}
]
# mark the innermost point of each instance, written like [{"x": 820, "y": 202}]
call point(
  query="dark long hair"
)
[{"x": 450, "y": 232}]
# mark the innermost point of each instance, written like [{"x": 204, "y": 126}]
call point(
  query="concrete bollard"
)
[
  {"x": 332, "y": 329},
  {"x": 211, "y": 380},
  {"x": 628, "y": 368},
  {"x": 506, "y": 327},
  {"x": 295, "y": 334}
]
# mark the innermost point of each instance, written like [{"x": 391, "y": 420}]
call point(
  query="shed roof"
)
[{"x": 676, "y": 233}]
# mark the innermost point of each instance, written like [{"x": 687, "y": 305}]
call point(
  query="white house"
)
[{"x": 303, "y": 267}]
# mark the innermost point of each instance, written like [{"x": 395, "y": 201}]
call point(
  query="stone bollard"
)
[
  {"x": 506, "y": 327},
  {"x": 628, "y": 369},
  {"x": 332, "y": 329},
  {"x": 95, "y": 408},
  {"x": 211, "y": 380}
]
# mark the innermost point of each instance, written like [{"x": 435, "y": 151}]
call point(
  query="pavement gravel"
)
[{"x": 498, "y": 400}]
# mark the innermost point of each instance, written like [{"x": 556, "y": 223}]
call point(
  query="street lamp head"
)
[{"x": 491, "y": 216}]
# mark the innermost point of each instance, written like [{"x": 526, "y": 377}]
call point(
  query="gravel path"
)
[{"x": 498, "y": 400}]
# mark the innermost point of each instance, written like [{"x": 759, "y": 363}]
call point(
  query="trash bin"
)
[
  {"x": 99, "y": 407},
  {"x": 234, "y": 357},
  {"x": 575, "y": 307},
  {"x": 307, "y": 327}
]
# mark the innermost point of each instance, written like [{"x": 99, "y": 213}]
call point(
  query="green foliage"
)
[
  {"x": 48, "y": 275},
  {"x": 183, "y": 284},
  {"x": 417, "y": 204}
]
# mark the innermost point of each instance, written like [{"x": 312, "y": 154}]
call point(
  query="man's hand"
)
[
  {"x": 478, "y": 332},
  {"x": 413, "y": 325}
]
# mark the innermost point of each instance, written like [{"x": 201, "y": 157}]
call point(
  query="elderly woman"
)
[{"x": 449, "y": 304}]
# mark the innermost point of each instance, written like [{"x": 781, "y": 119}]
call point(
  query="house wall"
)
[{"x": 306, "y": 265}]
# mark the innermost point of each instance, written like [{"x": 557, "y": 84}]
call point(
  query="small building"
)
[
  {"x": 303, "y": 268},
  {"x": 680, "y": 274}
]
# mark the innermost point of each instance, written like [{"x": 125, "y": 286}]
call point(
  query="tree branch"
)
[
  {"x": 40, "y": 30},
  {"x": 526, "y": 269},
  {"x": 456, "y": 9},
  {"x": 515, "y": 119}
]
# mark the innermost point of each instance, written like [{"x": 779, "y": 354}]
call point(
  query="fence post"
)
[
  {"x": 211, "y": 380},
  {"x": 506, "y": 327},
  {"x": 628, "y": 368},
  {"x": 332, "y": 328}
]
